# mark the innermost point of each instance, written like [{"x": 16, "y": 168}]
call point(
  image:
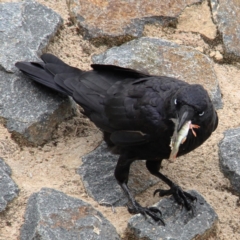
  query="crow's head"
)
[{"x": 192, "y": 103}]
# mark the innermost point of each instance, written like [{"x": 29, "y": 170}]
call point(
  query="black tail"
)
[
  {"x": 51, "y": 72},
  {"x": 56, "y": 74},
  {"x": 88, "y": 89}
]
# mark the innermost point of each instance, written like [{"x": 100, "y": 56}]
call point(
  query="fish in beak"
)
[{"x": 182, "y": 126}]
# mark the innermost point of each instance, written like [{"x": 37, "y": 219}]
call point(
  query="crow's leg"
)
[
  {"x": 121, "y": 174},
  {"x": 182, "y": 197}
]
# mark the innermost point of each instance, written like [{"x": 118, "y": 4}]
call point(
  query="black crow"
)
[{"x": 136, "y": 112}]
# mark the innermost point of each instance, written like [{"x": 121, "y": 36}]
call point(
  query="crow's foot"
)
[
  {"x": 153, "y": 212},
  {"x": 183, "y": 198}
]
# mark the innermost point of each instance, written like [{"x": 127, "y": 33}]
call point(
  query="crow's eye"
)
[
  {"x": 175, "y": 101},
  {"x": 201, "y": 114}
]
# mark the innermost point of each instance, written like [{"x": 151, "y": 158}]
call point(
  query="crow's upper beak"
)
[{"x": 185, "y": 114}]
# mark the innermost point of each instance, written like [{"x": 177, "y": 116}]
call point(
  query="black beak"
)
[{"x": 186, "y": 113}]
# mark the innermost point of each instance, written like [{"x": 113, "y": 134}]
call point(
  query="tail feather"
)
[
  {"x": 50, "y": 58},
  {"x": 96, "y": 81},
  {"x": 51, "y": 72},
  {"x": 58, "y": 69},
  {"x": 99, "y": 87},
  {"x": 36, "y": 72},
  {"x": 92, "y": 100},
  {"x": 67, "y": 81}
]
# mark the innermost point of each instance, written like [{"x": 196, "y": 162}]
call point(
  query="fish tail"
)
[{"x": 172, "y": 157}]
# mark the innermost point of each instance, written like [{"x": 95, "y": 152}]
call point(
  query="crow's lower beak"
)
[{"x": 186, "y": 113}]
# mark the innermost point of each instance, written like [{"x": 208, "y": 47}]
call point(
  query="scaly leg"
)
[
  {"x": 182, "y": 197},
  {"x": 121, "y": 174}
]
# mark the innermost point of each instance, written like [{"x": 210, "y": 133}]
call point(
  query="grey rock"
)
[
  {"x": 226, "y": 15},
  {"x": 25, "y": 30},
  {"x": 8, "y": 189},
  {"x": 52, "y": 215},
  {"x": 30, "y": 114},
  {"x": 97, "y": 173},
  {"x": 165, "y": 58},
  {"x": 115, "y": 21},
  {"x": 229, "y": 152},
  {"x": 180, "y": 223}
]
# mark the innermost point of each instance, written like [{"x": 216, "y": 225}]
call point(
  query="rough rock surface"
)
[
  {"x": 8, "y": 189},
  {"x": 97, "y": 172},
  {"x": 180, "y": 223},
  {"x": 53, "y": 215},
  {"x": 25, "y": 29},
  {"x": 229, "y": 152},
  {"x": 29, "y": 113},
  {"x": 117, "y": 20},
  {"x": 226, "y": 15},
  {"x": 161, "y": 57}
]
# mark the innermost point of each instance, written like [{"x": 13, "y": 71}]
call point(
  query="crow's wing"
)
[{"x": 136, "y": 109}]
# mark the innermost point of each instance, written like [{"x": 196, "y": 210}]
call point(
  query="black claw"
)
[
  {"x": 135, "y": 207},
  {"x": 191, "y": 197},
  {"x": 181, "y": 197},
  {"x": 152, "y": 212},
  {"x": 157, "y": 191},
  {"x": 156, "y": 210},
  {"x": 162, "y": 192}
]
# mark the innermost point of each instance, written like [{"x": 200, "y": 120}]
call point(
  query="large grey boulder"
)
[
  {"x": 30, "y": 112},
  {"x": 8, "y": 188},
  {"x": 52, "y": 215},
  {"x": 25, "y": 30},
  {"x": 97, "y": 173},
  {"x": 165, "y": 58},
  {"x": 229, "y": 157},
  {"x": 180, "y": 223}
]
